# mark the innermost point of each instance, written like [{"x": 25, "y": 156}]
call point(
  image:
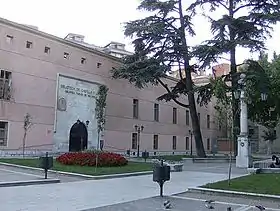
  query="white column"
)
[
  {"x": 243, "y": 115},
  {"x": 243, "y": 158}
]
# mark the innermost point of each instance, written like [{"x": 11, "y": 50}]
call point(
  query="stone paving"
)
[
  {"x": 180, "y": 203},
  {"x": 8, "y": 174},
  {"x": 219, "y": 168},
  {"x": 89, "y": 194},
  {"x": 245, "y": 201}
]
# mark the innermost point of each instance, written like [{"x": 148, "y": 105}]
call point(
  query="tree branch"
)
[
  {"x": 243, "y": 6},
  {"x": 223, "y": 5},
  {"x": 169, "y": 92}
]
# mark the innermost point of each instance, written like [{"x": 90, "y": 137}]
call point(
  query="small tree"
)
[
  {"x": 26, "y": 126},
  {"x": 100, "y": 109},
  {"x": 100, "y": 115},
  {"x": 223, "y": 116},
  {"x": 269, "y": 137}
]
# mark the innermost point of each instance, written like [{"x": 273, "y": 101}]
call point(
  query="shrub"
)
[{"x": 89, "y": 159}]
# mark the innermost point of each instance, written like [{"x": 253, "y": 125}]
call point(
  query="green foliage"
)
[
  {"x": 267, "y": 112},
  {"x": 246, "y": 24},
  {"x": 160, "y": 46},
  {"x": 235, "y": 29},
  {"x": 100, "y": 107},
  {"x": 269, "y": 135},
  {"x": 215, "y": 88}
]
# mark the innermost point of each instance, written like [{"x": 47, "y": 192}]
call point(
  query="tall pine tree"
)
[
  {"x": 246, "y": 24},
  {"x": 161, "y": 45}
]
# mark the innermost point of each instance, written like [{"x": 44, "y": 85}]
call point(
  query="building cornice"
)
[{"x": 57, "y": 39}]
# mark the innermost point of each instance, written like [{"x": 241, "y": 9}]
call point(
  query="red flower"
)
[{"x": 89, "y": 159}]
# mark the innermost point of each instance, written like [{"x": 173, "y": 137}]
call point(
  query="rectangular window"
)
[
  {"x": 29, "y": 44},
  {"x": 187, "y": 143},
  {"x": 135, "y": 108},
  {"x": 3, "y": 133},
  {"x": 187, "y": 117},
  {"x": 83, "y": 60},
  {"x": 155, "y": 144},
  {"x": 156, "y": 112},
  {"x": 134, "y": 141},
  {"x": 9, "y": 39},
  {"x": 47, "y": 50},
  {"x": 208, "y": 144},
  {"x": 174, "y": 142},
  {"x": 66, "y": 55},
  {"x": 174, "y": 115},
  {"x": 208, "y": 121},
  {"x": 5, "y": 84}
]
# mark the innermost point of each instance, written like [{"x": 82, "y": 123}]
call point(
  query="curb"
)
[
  {"x": 232, "y": 193},
  {"x": 29, "y": 182},
  {"x": 110, "y": 176}
]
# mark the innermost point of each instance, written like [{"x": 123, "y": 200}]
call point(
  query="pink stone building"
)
[{"x": 55, "y": 80}]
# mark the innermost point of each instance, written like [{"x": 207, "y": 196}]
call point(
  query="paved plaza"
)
[
  {"x": 90, "y": 194},
  {"x": 8, "y": 174},
  {"x": 189, "y": 202},
  {"x": 14, "y": 174}
]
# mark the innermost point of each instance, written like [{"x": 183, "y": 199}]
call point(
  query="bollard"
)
[
  {"x": 46, "y": 163},
  {"x": 145, "y": 155}
]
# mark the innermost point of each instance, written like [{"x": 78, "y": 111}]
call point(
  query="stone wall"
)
[{"x": 75, "y": 101}]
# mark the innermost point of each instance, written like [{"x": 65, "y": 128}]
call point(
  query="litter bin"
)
[{"x": 161, "y": 174}]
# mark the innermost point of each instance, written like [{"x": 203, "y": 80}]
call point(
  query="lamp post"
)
[
  {"x": 191, "y": 134},
  {"x": 87, "y": 123},
  {"x": 138, "y": 129},
  {"x": 243, "y": 158}
]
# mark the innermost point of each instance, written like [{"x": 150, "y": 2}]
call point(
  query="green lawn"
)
[
  {"x": 255, "y": 183},
  {"x": 130, "y": 168}
]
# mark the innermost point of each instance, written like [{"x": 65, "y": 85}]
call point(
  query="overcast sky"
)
[{"x": 99, "y": 20}]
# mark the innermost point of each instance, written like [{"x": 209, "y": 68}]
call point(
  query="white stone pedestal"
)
[{"x": 243, "y": 158}]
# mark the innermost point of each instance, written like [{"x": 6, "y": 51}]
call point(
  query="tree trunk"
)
[
  {"x": 23, "y": 143},
  {"x": 233, "y": 70},
  {"x": 189, "y": 86},
  {"x": 196, "y": 126}
]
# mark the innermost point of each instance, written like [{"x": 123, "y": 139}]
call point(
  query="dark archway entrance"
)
[{"x": 78, "y": 139}]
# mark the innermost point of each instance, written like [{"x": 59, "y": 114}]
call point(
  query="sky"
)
[{"x": 100, "y": 21}]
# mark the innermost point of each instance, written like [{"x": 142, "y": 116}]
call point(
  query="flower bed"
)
[{"x": 89, "y": 159}]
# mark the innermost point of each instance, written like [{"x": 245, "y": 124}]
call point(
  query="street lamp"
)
[
  {"x": 243, "y": 151},
  {"x": 191, "y": 134},
  {"x": 138, "y": 129}
]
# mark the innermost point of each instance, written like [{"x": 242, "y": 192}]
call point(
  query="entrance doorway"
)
[{"x": 78, "y": 140}]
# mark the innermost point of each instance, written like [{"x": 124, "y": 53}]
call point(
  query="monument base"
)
[
  {"x": 243, "y": 158},
  {"x": 242, "y": 161}
]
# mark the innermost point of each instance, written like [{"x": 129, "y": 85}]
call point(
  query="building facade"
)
[{"x": 55, "y": 81}]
